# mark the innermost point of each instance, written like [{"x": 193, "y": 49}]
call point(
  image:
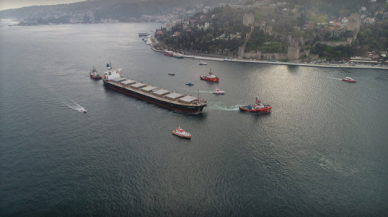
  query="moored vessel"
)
[
  {"x": 141, "y": 34},
  {"x": 170, "y": 73},
  {"x": 168, "y": 53},
  {"x": 181, "y": 133},
  {"x": 202, "y": 63},
  {"x": 94, "y": 74},
  {"x": 190, "y": 84},
  {"x": 257, "y": 107},
  {"x": 177, "y": 55},
  {"x": 165, "y": 98},
  {"x": 210, "y": 77},
  {"x": 349, "y": 79}
]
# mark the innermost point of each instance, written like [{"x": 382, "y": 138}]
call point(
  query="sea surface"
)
[{"x": 322, "y": 151}]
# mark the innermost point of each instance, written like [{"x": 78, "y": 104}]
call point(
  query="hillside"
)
[{"x": 293, "y": 30}]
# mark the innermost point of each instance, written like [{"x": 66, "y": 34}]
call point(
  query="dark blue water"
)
[{"x": 322, "y": 151}]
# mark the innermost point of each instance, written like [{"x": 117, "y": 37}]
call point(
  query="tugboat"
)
[
  {"x": 190, "y": 84},
  {"x": 181, "y": 133},
  {"x": 258, "y": 107},
  {"x": 218, "y": 91},
  {"x": 210, "y": 77},
  {"x": 202, "y": 63},
  {"x": 170, "y": 73},
  {"x": 349, "y": 79},
  {"x": 94, "y": 74}
]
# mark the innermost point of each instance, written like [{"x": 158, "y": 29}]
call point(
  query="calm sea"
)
[{"x": 321, "y": 151}]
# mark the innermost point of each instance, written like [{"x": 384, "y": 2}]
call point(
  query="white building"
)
[{"x": 369, "y": 20}]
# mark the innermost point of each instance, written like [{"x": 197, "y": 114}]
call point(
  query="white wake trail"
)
[
  {"x": 338, "y": 79},
  {"x": 75, "y": 106},
  {"x": 226, "y": 108},
  {"x": 204, "y": 91}
]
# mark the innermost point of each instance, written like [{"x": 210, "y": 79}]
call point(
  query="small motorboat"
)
[
  {"x": 257, "y": 107},
  {"x": 82, "y": 110},
  {"x": 210, "y": 77},
  {"x": 202, "y": 63},
  {"x": 190, "y": 84},
  {"x": 349, "y": 79},
  {"x": 181, "y": 133},
  {"x": 218, "y": 91},
  {"x": 170, "y": 73},
  {"x": 94, "y": 74}
]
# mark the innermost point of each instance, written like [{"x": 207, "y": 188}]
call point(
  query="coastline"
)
[
  {"x": 287, "y": 63},
  {"x": 149, "y": 42}
]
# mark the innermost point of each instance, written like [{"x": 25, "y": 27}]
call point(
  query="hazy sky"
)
[{"x": 7, "y": 4}]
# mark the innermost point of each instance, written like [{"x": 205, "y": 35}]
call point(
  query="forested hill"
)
[
  {"x": 319, "y": 26},
  {"x": 114, "y": 9}
]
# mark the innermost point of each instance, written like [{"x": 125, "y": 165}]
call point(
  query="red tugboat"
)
[
  {"x": 258, "y": 107},
  {"x": 168, "y": 53},
  {"x": 181, "y": 133},
  {"x": 349, "y": 79},
  {"x": 94, "y": 74},
  {"x": 210, "y": 77}
]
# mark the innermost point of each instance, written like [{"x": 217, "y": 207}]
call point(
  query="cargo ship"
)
[{"x": 175, "y": 101}]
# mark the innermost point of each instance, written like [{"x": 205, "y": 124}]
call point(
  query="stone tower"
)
[
  {"x": 293, "y": 52},
  {"x": 354, "y": 22},
  {"x": 248, "y": 19}
]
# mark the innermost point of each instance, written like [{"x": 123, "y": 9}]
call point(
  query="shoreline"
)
[
  {"x": 274, "y": 63},
  {"x": 286, "y": 63}
]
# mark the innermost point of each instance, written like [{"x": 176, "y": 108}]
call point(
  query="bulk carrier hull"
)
[{"x": 193, "y": 108}]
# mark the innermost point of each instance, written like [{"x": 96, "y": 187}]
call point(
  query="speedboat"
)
[
  {"x": 190, "y": 84},
  {"x": 82, "y": 110},
  {"x": 218, "y": 91},
  {"x": 349, "y": 79},
  {"x": 170, "y": 73},
  {"x": 94, "y": 74},
  {"x": 257, "y": 107},
  {"x": 210, "y": 77},
  {"x": 181, "y": 133},
  {"x": 202, "y": 63}
]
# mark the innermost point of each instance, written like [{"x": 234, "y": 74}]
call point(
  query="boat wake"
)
[
  {"x": 338, "y": 79},
  {"x": 204, "y": 91},
  {"x": 75, "y": 106},
  {"x": 65, "y": 100},
  {"x": 226, "y": 108}
]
